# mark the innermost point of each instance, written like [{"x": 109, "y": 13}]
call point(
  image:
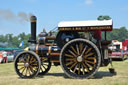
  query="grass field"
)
[{"x": 56, "y": 76}]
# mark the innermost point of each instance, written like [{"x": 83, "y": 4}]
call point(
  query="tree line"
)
[
  {"x": 118, "y": 34},
  {"x": 14, "y": 41}
]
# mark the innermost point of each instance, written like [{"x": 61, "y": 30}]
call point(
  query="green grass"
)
[{"x": 56, "y": 76}]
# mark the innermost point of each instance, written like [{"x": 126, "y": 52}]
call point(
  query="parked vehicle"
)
[
  {"x": 10, "y": 56},
  {"x": 119, "y": 55},
  {"x": 118, "y": 51}
]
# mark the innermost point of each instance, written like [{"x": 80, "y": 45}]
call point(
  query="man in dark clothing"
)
[{"x": 97, "y": 35}]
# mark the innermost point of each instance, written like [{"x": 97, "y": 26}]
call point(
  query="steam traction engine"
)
[{"x": 79, "y": 56}]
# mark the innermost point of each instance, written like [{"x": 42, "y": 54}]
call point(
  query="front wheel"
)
[
  {"x": 27, "y": 64},
  {"x": 80, "y": 58}
]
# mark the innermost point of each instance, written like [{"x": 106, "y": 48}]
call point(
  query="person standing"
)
[
  {"x": 97, "y": 35},
  {"x": 1, "y": 57},
  {"x": 4, "y": 57}
]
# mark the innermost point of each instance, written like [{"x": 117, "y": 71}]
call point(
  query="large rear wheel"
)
[
  {"x": 27, "y": 64},
  {"x": 80, "y": 58}
]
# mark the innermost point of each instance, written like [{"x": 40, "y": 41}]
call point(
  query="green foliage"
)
[
  {"x": 118, "y": 34},
  {"x": 14, "y": 41}
]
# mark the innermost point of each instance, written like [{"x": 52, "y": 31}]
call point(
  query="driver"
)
[{"x": 97, "y": 35}]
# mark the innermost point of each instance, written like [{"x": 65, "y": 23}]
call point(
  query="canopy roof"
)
[
  {"x": 103, "y": 25},
  {"x": 85, "y": 23}
]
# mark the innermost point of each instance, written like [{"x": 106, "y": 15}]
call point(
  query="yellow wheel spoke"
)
[
  {"x": 25, "y": 58},
  {"x": 89, "y": 62},
  {"x": 34, "y": 64},
  {"x": 91, "y": 58},
  {"x": 88, "y": 50},
  {"x": 41, "y": 69},
  {"x": 21, "y": 61},
  {"x": 78, "y": 49},
  {"x": 83, "y": 69},
  {"x": 26, "y": 71},
  {"x": 20, "y": 64},
  {"x": 69, "y": 63},
  {"x": 90, "y": 54},
  {"x": 72, "y": 53},
  {"x": 21, "y": 68},
  {"x": 75, "y": 68},
  {"x": 32, "y": 61},
  {"x": 44, "y": 66},
  {"x": 86, "y": 67},
  {"x": 31, "y": 58},
  {"x": 31, "y": 69},
  {"x": 73, "y": 65},
  {"x": 28, "y": 58},
  {"x": 79, "y": 69},
  {"x": 44, "y": 59},
  {"x": 68, "y": 55},
  {"x": 81, "y": 47},
  {"x": 74, "y": 50},
  {"x": 71, "y": 59}
]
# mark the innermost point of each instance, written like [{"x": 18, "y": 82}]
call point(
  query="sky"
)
[{"x": 14, "y": 14}]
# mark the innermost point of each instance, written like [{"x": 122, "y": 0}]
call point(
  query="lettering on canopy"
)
[{"x": 89, "y": 28}]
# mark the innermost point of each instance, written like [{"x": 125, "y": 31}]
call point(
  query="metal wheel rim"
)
[
  {"x": 24, "y": 70},
  {"x": 74, "y": 69}
]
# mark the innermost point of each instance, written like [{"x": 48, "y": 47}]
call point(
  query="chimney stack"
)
[{"x": 33, "y": 29}]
